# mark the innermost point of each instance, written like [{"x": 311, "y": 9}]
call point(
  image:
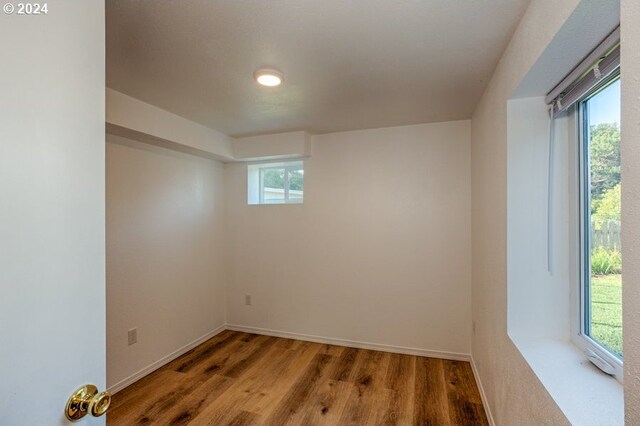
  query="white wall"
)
[
  {"x": 51, "y": 210},
  {"x": 514, "y": 393},
  {"x": 165, "y": 252},
  {"x": 131, "y": 118},
  {"x": 380, "y": 250},
  {"x": 538, "y": 299},
  {"x": 266, "y": 147},
  {"x": 534, "y": 61},
  {"x": 630, "y": 70}
]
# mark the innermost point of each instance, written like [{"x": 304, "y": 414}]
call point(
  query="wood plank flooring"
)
[{"x": 246, "y": 379}]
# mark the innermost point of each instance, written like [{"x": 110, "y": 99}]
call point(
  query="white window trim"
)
[
  {"x": 578, "y": 314},
  {"x": 583, "y": 393},
  {"x": 287, "y": 189},
  {"x": 255, "y": 184}
]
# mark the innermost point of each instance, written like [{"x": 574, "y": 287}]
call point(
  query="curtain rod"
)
[{"x": 585, "y": 65}]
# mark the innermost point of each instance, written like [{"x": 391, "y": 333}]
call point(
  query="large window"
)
[
  {"x": 601, "y": 265},
  {"x": 276, "y": 183}
]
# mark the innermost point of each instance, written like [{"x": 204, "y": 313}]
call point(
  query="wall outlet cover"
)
[{"x": 132, "y": 336}]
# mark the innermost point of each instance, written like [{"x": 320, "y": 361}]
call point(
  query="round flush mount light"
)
[{"x": 268, "y": 77}]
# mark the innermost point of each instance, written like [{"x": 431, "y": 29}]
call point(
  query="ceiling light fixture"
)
[{"x": 268, "y": 77}]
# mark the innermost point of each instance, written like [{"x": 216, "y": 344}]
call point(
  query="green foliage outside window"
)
[
  {"x": 607, "y": 207},
  {"x": 604, "y": 155},
  {"x": 605, "y": 262},
  {"x": 274, "y": 178}
]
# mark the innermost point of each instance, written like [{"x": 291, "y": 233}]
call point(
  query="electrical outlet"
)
[
  {"x": 132, "y": 336},
  {"x": 247, "y": 299},
  {"x": 473, "y": 327}
]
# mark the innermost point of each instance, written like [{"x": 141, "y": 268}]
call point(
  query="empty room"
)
[{"x": 301, "y": 212}]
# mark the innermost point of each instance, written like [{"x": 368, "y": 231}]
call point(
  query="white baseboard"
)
[
  {"x": 483, "y": 395},
  {"x": 353, "y": 344},
  {"x": 162, "y": 361}
]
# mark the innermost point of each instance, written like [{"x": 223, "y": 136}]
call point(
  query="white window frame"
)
[
  {"x": 286, "y": 169},
  {"x": 580, "y": 337},
  {"x": 256, "y": 181}
]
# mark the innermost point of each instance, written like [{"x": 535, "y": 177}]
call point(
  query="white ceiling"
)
[{"x": 348, "y": 64}]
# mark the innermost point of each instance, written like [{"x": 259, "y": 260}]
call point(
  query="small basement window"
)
[{"x": 276, "y": 183}]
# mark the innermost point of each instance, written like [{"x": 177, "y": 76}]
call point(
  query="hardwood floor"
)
[{"x": 247, "y": 379}]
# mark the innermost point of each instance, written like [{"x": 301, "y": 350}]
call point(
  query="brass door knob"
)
[{"x": 87, "y": 400}]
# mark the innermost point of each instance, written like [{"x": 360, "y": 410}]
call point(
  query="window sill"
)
[{"x": 585, "y": 395}]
